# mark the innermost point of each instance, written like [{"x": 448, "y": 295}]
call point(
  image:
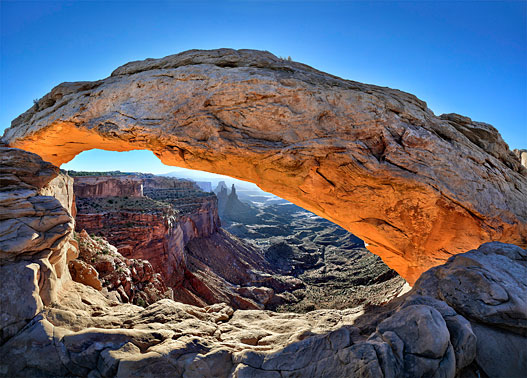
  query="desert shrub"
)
[{"x": 141, "y": 302}]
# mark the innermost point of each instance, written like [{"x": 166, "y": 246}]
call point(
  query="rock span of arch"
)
[{"x": 415, "y": 187}]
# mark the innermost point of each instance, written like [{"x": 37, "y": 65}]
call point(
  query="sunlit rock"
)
[{"x": 416, "y": 187}]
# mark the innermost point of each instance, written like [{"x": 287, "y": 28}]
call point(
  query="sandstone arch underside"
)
[{"x": 416, "y": 187}]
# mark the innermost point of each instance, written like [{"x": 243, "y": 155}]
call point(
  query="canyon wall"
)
[
  {"x": 175, "y": 227},
  {"x": 124, "y": 280},
  {"x": 414, "y": 186},
  {"x": 93, "y": 186},
  {"x": 143, "y": 228}
]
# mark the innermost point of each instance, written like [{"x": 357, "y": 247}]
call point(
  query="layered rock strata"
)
[
  {"x": 90, "y": 186},
  {"x": 102, "y": 267},
  {"x": 416, "y": 187},
  {"x": 36, "y": 244},
  {"x": 175, "y": 227}
]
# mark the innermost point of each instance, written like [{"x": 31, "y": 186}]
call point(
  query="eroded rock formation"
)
[
  {"x": 416, "y": 187},
  {"x": 36, "y": 225},
  {"x": 232, "y": 209},
  {"x": 175, "y": 227},
  {"x": 101, "y": 266},
  {"x": 467, "y": 317}
]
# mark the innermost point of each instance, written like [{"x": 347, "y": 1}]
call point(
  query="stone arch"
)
[{"x": 416, "y": 187}]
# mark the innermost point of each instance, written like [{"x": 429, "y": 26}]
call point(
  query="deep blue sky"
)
[{"x": 463, "y": 57}]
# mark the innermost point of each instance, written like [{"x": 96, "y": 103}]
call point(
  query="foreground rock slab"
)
[
  {"x": 36, "y": 202},
  {"x": 432, "y": 331},
  {"x": 416, "y": 187}
]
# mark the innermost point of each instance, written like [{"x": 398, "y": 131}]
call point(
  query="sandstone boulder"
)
[
  {"x": 419, "y": 336},
  {"x": 487, "y": 286},
  {"x": 85, "y": 274},
  {"x": 19, "y": 296}
]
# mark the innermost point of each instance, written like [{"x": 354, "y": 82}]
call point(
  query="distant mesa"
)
[{"x": 205, "y": 186}]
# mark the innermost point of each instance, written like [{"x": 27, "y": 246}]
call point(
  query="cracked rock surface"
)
[
  {"x": 35, "y": 236},
  {"x": 420, "y": 334},
  {"x": 416, "y": 187}
]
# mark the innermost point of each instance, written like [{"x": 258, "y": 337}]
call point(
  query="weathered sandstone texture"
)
[
  {"x": 416, "y": 187},
  {"x": 36, "y": 201},
  {"x": 522, "y": 155},
  {"x": 466, "y": 318},
  {"x": 100, "y": 266}
]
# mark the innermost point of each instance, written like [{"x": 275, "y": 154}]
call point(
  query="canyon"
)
[
  {"x": 175, "y": 228},
  {"x": 336, "y": 269},
  {"x": 440, "y": 199}
]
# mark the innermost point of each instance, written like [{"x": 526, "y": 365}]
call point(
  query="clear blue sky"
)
[{"x": 463, "y": 57}]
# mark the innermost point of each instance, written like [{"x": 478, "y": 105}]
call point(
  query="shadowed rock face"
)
[{"x": 416, "y": 187}]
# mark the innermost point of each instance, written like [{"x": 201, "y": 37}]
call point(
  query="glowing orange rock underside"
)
[{"x": 426, "y": 221}]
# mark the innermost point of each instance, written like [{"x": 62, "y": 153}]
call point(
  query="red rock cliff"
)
[
  {"x": 145, "y": 229},
  {"x": 175, "y": 226},
  {"x": 97, "y": 186}
]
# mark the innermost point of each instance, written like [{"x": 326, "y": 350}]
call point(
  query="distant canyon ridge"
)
[{"x": 416, "y": 187}]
